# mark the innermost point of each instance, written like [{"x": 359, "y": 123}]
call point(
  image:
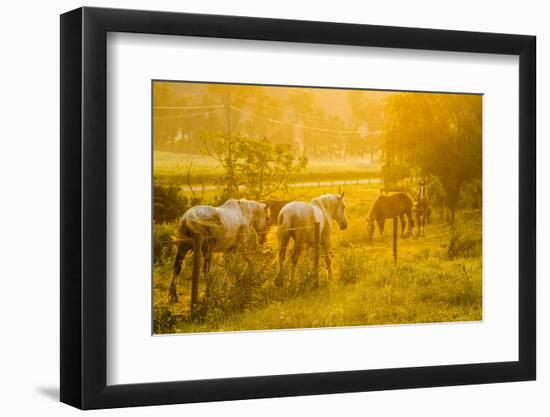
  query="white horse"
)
[
  {"x": 233, "y": 225},
  {"x": 297, "y": 221}
]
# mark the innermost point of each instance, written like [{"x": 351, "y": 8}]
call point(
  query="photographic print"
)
[{"x": 286, "y": 207}]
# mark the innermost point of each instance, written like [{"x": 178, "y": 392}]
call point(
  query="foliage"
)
[
  {"x": 162, "y": 241},
  {"x": 471, "y": 195},
  {"x": 163, "y": 320},
  {"x": 465, "y": 241},
  {"x": 438, "y": 133},
  {"x": 259, "y": 166},
  {"x": 168, "y": 204},
  {"x": 393, "y": 172},
  {"x": 265, "y": 168},
  {"x": 352, "y": 266},
  {"x": 368, "y": 117},
  {"x": 435, "y": 191}
]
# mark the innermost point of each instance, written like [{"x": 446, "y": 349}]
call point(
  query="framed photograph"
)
[{"x": 258, "y": 208}]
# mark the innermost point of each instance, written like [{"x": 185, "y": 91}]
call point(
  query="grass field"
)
[
  {"x": 170, "y": 169},
  {"x": 437, "y": 278}
]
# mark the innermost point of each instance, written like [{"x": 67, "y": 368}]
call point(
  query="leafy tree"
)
[
  {"x": 438, "y": 133},
  {"x": 257, "y": 165},
  {"x": 264, "y": 168},
  {"x": 222, "y": 148},
  {"x": 368, "y": 116}
]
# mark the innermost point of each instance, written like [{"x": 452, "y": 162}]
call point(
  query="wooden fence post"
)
[
  {"x": 197, "y": 243},
  {"x": 395, "y": 239},
  {"x": 317, "y": 233}
]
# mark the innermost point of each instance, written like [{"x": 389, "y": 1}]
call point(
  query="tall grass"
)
[{"x": 438, "y": 278}]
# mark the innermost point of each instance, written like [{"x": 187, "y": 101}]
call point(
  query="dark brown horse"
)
[
  {"x": 388, "y": 207},
  {"x": 422, "y": 207}
]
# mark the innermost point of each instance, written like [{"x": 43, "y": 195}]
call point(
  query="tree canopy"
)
[{"x": 437, "y": 134}]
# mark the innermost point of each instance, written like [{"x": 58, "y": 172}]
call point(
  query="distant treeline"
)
[{"x": 183, "y": 119}]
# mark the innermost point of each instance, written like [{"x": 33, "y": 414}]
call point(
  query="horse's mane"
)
[
  {"x": 246, "y": 206},
  {"x": 323, "y": 202}
]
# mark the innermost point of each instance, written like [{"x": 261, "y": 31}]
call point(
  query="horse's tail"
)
[
  {"x": 194, "y": 221},
  {"x": 284, "y": 225},
  {"x": 284, "y": 219},
  {"x": 183, "y": 233},
  {"x": 184, "y": 228}
]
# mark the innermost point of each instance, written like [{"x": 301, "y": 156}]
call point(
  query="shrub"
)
[
  {"x": 163, "y": 320},
  {"x": 168, "y": 205},
  {"x": 465, "y": 242},
  {"x": 470, "y": 195},
  {"x": 352, "y": 265},
  {"x": 436, "y": 192},
  {"x": 243, "y": 290},
  {"x": 162, "y": 242}
]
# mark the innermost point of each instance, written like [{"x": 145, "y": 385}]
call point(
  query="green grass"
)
[
  {"x": 429, "y": 283},
  {"x": 170, "y": 169}
]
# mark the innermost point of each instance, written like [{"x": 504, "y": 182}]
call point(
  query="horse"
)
[
  {"x": 275, "y": 207},
  {"x": 224, "y": 229},
  {"x": 297, "y": 220},
  {"x": 422, "y": 207},
  {"x": 387, "y": 207}
]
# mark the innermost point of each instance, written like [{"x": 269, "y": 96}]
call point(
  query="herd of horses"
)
[{"x": 238, "y": 224}]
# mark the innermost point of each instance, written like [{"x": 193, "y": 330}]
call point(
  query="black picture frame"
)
[{"x": 84, "y": 207}]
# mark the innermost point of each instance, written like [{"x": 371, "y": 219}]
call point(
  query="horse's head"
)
[
  {"x": 339, "y": 214},
  {"x": 260, "y": 221}
]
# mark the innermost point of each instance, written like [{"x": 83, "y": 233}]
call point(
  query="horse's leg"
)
[
  {"x": 207, "y": 255},
  {"x": 410, "y": 220},
  {"x": 381, "y": 226},
  {"x": 424, "y": 220},
  {"x": 226, "y": 264},
  {"x": 423, "y": 225},
  {"x": 284, "y": 237},
  {"x": 247, "y": 246},
  {"x": 298, "y": 246},
  {"x": 183, "y": 248},
  {"x": 402, "y": 221},
  {"x": 327, "y": 247}
]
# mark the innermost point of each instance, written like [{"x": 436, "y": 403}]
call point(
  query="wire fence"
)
[
  {"x": 269, "y": 247},
  {"x": 197, "y": 241}
]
